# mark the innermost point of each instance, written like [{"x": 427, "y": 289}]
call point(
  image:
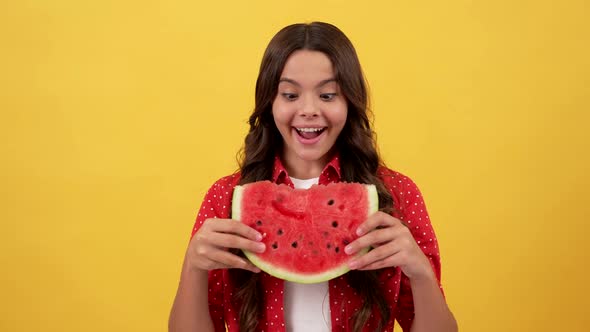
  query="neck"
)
[{"x": 304, "y": 169}]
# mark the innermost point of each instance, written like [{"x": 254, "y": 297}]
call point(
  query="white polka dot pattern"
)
[{"x": 344, "y": 301}]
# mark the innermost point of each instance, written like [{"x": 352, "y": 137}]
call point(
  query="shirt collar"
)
[{"x": 330, "y": 173}]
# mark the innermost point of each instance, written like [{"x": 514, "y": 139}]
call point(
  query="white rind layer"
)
[
  {"x": 284, "y": 274},
  {"x": 300, "y": 277},
  {"x": 236, "y": 212}
]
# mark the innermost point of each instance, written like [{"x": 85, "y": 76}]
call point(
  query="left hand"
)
[{"x": 393, "y": 245}]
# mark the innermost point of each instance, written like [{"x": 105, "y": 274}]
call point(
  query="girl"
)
[{"x": 311, "y": 125}]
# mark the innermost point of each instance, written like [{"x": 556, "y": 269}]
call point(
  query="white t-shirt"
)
[{"x": 307, "y": 306}]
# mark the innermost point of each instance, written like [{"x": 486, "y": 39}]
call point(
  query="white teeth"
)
[{"x": 309, "y": 130}]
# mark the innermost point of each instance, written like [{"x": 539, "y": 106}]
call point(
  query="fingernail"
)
[
  {"x": 359, "y": 231},
  {"x": 258, "y": 236},
  {"x": 348, "y": 249},
  {"x": 260, "y": 247},
  {"x": 353, "y": 265}
]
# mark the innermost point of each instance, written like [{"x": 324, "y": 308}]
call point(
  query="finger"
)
[
  {"x": 250, "y": 267},
  {"x": 236, "y": 242},
  {"x": 374, "y": 255},
  {"x": 377, "y": 219},
  {"x": 213, "y": 265},
  {"x": 376, "y": 238},
  {"x": 208, "y": 264},
  {"x": 224, "y": 266},
  {"x": 387, "y": 262},
  {"x": 230, "y": 226},
  {"x": 230, "y": 260}
]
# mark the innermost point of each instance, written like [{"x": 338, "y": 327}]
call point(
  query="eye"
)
[
  {"x": 328, "y": 96},
  {"x": 289, "y": 96}
]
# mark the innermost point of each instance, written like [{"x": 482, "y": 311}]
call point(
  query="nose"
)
[{"x": 308, "y": 108}]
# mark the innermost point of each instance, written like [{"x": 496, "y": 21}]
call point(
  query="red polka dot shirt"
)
[{"x": 409, "y": 207}]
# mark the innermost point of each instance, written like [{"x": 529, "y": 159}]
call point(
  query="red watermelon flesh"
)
[{"x": 305, "y": 231}]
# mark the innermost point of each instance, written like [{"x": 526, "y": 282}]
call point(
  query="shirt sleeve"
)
[
  {"x": 211, "y": 208},
  {"x": 412, "y": 210}
]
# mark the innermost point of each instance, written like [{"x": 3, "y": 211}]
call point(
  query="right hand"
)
[{"x": 209, "y": 247}]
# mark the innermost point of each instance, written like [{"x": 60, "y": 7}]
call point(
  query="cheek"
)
[
  {"x": 276, "y": 112},
  {"x": 280, "y": 120},
  {"x": 339, "y": 115},
  {"x": 343, "y": 118},
  {"x": 282, "y": 113}
]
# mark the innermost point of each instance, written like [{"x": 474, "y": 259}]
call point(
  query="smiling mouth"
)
[{"x": 310, "y": 133}]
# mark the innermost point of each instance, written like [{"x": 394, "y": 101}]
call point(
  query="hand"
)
[
  {"x": 208, "y": 249},
  {"x": 393, "y": 245}
]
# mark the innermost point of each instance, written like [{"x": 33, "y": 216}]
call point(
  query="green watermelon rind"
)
[{"x": 300, "y": 277}]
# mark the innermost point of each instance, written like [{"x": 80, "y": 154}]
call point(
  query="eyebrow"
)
[{"x": 322, "y": 83}]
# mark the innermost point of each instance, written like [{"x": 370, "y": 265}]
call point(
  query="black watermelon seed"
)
[
  {"x": 280, "y": 232},
  {"x": 337, "y": 249},
  {"x": 330, "y": 202},
  {"x": 275, "y": 245},
  {"x": 294, "y": 244},
  {"x": 329, "y": 246},
  {"x": 259, "y": 222},
  {"x": 345, "y": 241},
  {"x": 334, "y": 223}
]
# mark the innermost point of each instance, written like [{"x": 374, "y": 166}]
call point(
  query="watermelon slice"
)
[{"x": 305, "y": 231}]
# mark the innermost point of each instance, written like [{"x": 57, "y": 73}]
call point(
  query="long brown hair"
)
[{"x": 359, "y": 159}]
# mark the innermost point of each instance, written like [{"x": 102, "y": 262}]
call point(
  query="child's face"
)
[{"x": 309, "y": 109}]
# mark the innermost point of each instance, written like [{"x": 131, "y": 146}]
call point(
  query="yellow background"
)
[{"x": 116, "y": 116}]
